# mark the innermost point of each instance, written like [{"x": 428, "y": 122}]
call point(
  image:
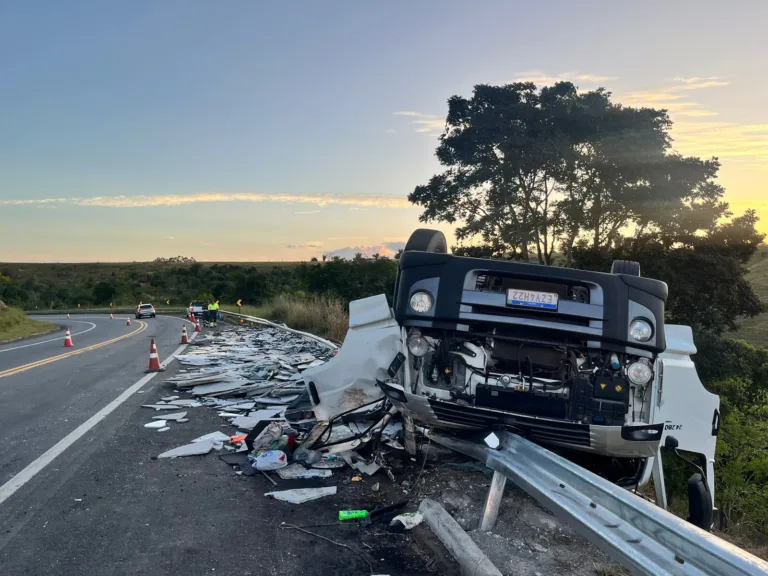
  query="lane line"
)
[
  {"x": 53, "y": 339},
  {"x": 10, "y": 487},
  {"x": 43, "y": 362}
]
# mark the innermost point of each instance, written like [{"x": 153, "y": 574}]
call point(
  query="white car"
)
[{"x": 145, "y": 310}]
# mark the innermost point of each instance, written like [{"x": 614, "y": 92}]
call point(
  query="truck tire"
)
[
  {"x": 426, "y": 240},
  {"x": 628, "y": 267}
]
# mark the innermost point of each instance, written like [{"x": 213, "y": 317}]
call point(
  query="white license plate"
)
[{"x": 532, "y": 299}]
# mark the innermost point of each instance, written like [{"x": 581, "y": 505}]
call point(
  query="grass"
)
[
  {"x": 15, "y": 325},
  {"x": 321, "y": 316},
  {"x": 755, "y": 330}
]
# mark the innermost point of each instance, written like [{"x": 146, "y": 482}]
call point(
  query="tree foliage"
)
[{"x": 529, "y": 171}]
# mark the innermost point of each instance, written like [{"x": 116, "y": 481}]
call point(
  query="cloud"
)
[
  {"x": 390, "y": 131},
  {"x": 207, "y": 244},
  {"x": 145, "y": 201},
  {"x": 308, "y": 212},
  {"x": 698, "y": 83},
  {"x": 348, "y": 238},
  {"x": 312, "y": 245},
  {"x": 538, "y": 77},
  {"x": 425, "y": 123},
  {"x": 170, "y": 238},
  {"x": 674, "y": 97},
  {"x": 387, "y": 249},
  {"x": 695, "y": 132}
]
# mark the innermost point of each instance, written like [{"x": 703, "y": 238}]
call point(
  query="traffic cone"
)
[
  {"x": 197, "y": 326},
  {"x": 154, "y": 359},
  {"x": 111, "y": 317},
  {"x": 68, "y": 340},
  {"x": 128, "y": 322},
  {"x": 184, "y": 339}
]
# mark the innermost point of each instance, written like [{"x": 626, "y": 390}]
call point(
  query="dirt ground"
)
[{"x": 527, "y": 539}]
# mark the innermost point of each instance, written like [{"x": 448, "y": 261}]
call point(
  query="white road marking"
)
[
  {"x": 9, "y": 488},
  {"x": 52, "y": 339}
]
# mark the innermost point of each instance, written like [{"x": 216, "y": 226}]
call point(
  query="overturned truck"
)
[{"x": 578, "y": 361}]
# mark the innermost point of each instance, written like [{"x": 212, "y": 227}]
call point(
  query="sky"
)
[{"x": 253, "y": 131}]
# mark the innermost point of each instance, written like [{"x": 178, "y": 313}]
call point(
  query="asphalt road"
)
[
  {"x": 47, "y": 390},
  {"x": 106, "y": 505}
]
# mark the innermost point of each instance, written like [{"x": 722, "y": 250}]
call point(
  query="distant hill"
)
[{"x": 755, "y": 330}]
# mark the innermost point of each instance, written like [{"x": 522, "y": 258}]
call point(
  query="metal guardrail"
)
[
  {"x": 636, "y": 533},
  {"x": 265, "y": 322}
]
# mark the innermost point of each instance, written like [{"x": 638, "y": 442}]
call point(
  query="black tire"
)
[
  {"x": 153, "y": 315},
  {"x": 426, "y": 240},
  {"x": 628, "y": 267}
]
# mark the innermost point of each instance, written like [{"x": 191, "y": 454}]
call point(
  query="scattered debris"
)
[
  {"x": 294, "y": 471},
  {"x": 213, "y": 437},
  {"x": 177, "y": 416},
  {"x": 165, "y": 429},
  {"x": 270, "y": 460},
  {"x": 193, "y": 449},
  {"x": 301, "y": 495},
  {"x": 406, "y": 521},
  {"x": 155, "y": 424},
  {"x": 160, "y": 406}
]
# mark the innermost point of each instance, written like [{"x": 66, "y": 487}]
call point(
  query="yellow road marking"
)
[{"x": 25, "y": 367}]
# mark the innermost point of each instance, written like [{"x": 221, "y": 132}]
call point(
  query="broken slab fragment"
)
[
  {"x": 155, "y": 424},
  {"x": 194, "y": 449},
  {"x": 294, "y": 471},
  {"x": 177, "y": 416},
  {"x": 160, "y": 406},
  {"x": 301, "y": 495},
  {"x": 213, "y": 437}
]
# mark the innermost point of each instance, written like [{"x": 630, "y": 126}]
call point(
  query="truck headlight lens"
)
[
  {"x": 418, "y": 346},
  {"x": 421, "y": 302},
  {"x": 640, "y": 330},
  {"x": 639, "y": 373}
]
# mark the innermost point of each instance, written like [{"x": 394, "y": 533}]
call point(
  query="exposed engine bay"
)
[{"x": 587, "y": 386}]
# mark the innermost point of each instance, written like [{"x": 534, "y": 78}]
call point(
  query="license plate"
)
[{"x": 532, "y": 299}]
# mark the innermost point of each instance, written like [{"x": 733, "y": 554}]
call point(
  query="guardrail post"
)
[{"x": 493, "y": 502}]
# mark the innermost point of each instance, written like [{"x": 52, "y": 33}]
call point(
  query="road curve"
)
[{"x": 47, "y": 390}]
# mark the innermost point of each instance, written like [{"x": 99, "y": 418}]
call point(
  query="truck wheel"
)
[
  {"x": 426, "y": 240},
  {"x": 628, "y": 267}
]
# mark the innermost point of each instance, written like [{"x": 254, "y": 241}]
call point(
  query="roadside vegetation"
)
[
  {"x": 319, "y": 315},
  {"x": 755, "y": 330},
  {"x": 14, "y": 325}
]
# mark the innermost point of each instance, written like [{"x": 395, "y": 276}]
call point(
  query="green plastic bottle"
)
[{"x": 353, "y": 514}]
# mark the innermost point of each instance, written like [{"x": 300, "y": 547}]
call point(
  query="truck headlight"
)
[
  {"x": 418, "y": 346},
  {"x": 421, "y": 302},
  {"x": 640, "y": 330},
  {"x": 639, "y": 373}
]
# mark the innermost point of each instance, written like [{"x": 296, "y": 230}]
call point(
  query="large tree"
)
[{"x": 528, "y": 171}]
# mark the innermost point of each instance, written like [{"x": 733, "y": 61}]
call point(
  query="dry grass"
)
[
  {"x": 14, "y": 325},
  {"x": 321, "y": 316},
  {"x": 755, "y": 330}
]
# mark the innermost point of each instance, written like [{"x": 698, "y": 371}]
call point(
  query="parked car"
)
[
  {"x": 198, "y": 308},
  {"x": 145, "y": 310}
]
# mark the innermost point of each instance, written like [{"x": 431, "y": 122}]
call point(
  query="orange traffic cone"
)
[
  {"x": 184, "y": 339},
  {"x": 197, "y": 325},
  {"x": 154, "y": 359},
  {"x": 111, "y": 317},
  {"x": 68, "y": 340},
  {"x": 128, "y": 322}
]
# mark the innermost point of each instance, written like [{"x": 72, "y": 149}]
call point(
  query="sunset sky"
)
[{"x": 261, "y": 131}]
